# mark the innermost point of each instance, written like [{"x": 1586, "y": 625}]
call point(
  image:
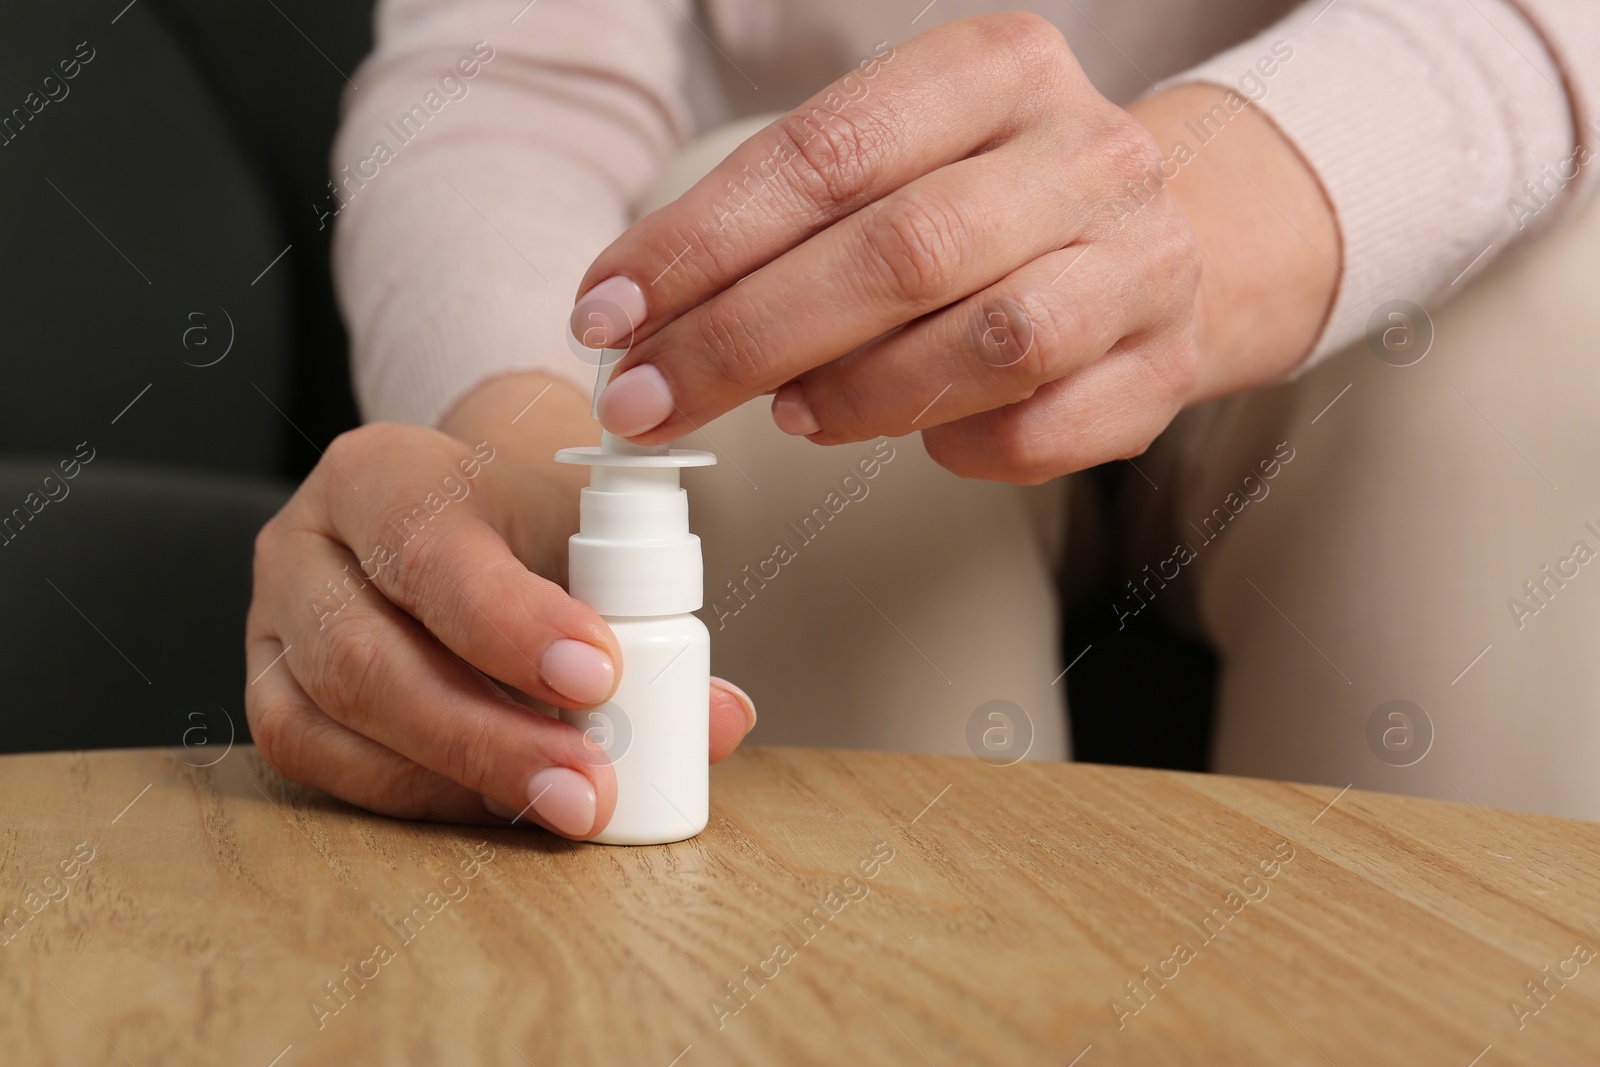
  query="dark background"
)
[{"x": 188, "y": 153}]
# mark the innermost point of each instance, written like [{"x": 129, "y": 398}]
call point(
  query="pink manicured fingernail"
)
[
  {"x": 564, "y": 799},
  {"x": 635, "y": 401},
  {"x": 743, "y": 698},
  {"x": 578, "y": 670},
  {"x": 494, "y": 807},
  {"x": 608, "y": 313},
  {"x": 791, "y": 412}
]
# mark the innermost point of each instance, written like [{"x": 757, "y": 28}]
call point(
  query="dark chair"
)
[{"x": 168, "y": 314}]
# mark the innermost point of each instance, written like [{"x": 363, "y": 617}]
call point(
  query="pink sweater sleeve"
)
[
  {"x": 1442, "y": 131},
  {"x": 473, "y": 202}
]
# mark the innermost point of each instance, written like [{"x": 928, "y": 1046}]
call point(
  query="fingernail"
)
[
  {"x": 578, "y": 670},
  {"x": 564, "y": 799},
  {"x": 791, "y": 412},
  {"x": 743, "y": 698},
  {"x": 608, "y": 313},
  {"x": 494, "y": 807},
  {"x": 636, "y": 400}
]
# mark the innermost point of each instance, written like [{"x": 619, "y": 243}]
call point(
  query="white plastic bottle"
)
[{"x": 635, "y": 562}]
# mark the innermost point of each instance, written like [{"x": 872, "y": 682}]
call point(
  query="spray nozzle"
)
[{"x": 620, "y": 466}]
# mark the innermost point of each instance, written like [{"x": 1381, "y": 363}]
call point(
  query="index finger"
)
[
  {"x": 438, "y": 557},
  {"x": 900, "y": 113}
]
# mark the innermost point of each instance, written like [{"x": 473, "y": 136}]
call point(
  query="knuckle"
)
[
  {"x": 468, "y": 755},
  {"x": 735, "y": 350},
  {"x": 836, "y": 155},
  {"x": 1135, "y": 176},
  {"x": 1023, "y": 337},
  {"x": 416, "y": 570},
  {"x": 343, "y": 451},
  {"x": 354, "y": 660},
  {"x": 1038, "y": 51},
  {"x": 409, "y": 793},
  {"x": 273, "y": 730},
  {"x": 1001, "y": 451},
  {"x": 354, "y": 450},
  {"x": 915, "y": 245},
  {"x": 1025, "y": 455},
  {"x": 714, "y": 256},
  {"x": 844, "y": 403},
  {"x": 1126, "y": 150}
]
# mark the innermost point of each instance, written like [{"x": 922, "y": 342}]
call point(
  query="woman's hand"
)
[
  {"x": 963, "y": 238},
  {"x": 411, "y": 568}
]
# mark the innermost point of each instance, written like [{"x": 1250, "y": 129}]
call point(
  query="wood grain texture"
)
[{"x": 1005, "y": 910}]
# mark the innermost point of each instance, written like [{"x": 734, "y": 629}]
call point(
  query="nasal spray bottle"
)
[{"x": 635, "y": 562}]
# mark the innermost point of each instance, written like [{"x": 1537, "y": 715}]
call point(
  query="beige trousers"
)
[{"x": 1392, "y": 562}]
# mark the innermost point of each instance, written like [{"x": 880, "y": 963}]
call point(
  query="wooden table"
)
[{"x": 841, "y": 908}]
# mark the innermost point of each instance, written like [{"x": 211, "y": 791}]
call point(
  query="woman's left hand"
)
[{"x": 961, "y": 237}]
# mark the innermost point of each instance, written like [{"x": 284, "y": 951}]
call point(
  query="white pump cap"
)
[{"x": 633, "y": 553}]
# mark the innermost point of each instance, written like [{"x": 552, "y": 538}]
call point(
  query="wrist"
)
[{"x": 1269, "y": 240}]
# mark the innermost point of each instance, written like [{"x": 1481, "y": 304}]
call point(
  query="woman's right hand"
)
[{"x": 412, "y": 569}]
